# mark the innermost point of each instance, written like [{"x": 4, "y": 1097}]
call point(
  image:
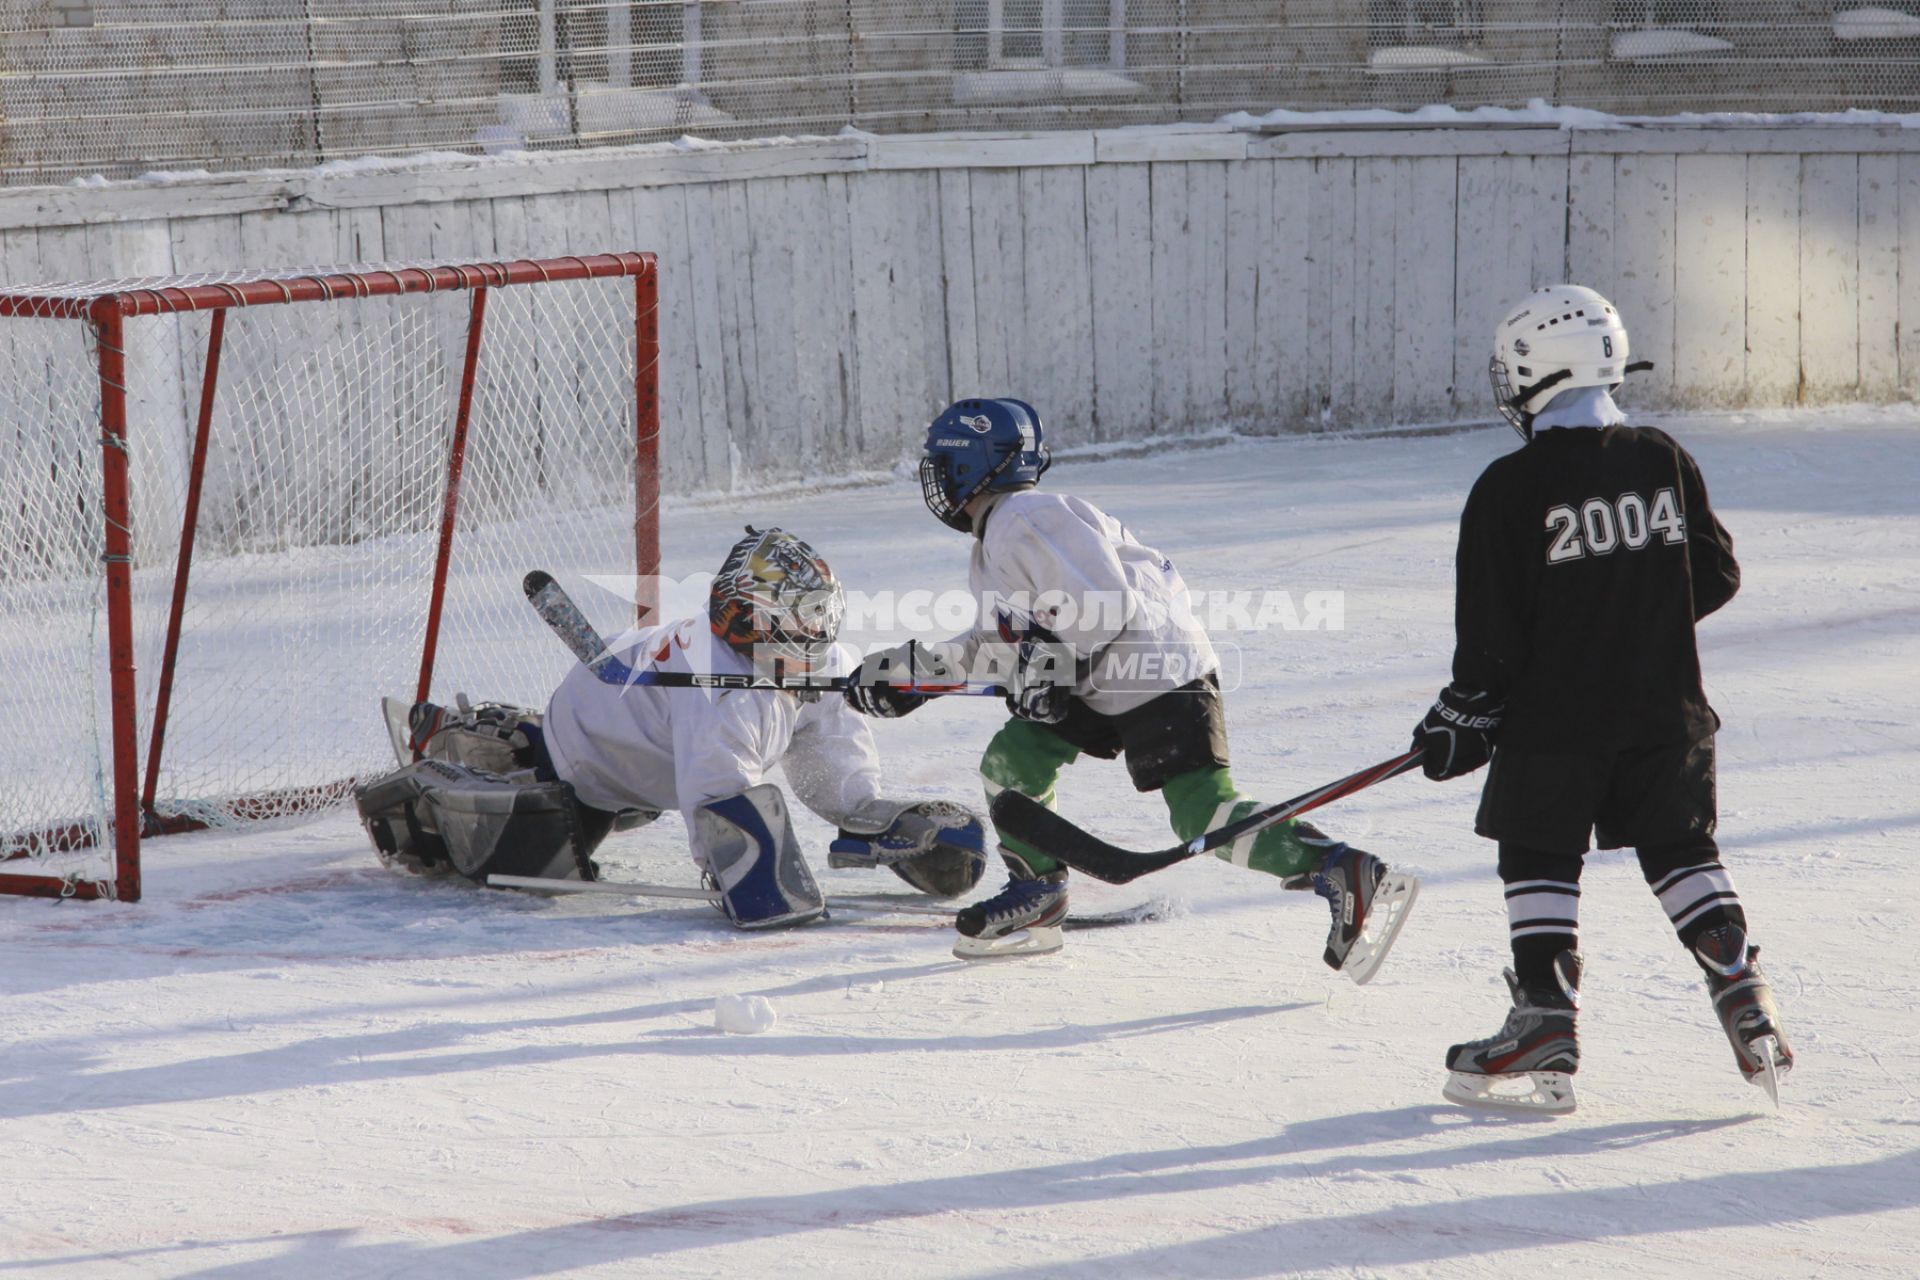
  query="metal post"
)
[
  {"x": 456, "y": 459},
  {"x": 183, "y": 567},
  {"x": 646, "y": 445},
  {"x": 109, "y": 327}
]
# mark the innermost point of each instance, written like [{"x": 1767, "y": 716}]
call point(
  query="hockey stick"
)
[
  {"x": 557, "y": 609},
  {"x": 1026, "y": 819},
  {"x": 893, "y": 904}
]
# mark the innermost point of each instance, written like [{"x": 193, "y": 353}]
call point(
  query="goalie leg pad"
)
[
  {"x": 433, "y": 815},
  {"x": 747, "y": 845},
  {"x": 938, "y": 847},
  {"x": 495, "y": 826},
  {"x": 396, "y": 819}
]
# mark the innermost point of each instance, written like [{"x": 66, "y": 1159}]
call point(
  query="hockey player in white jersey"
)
[
  {"x": 631, "y": 752},
  {"x": 1101, "y": 655}
]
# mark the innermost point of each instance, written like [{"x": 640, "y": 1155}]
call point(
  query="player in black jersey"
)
[{"x": 1586, "y": 556}]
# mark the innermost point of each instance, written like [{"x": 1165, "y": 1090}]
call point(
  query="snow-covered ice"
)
[{"x": 289, "y": 1062}]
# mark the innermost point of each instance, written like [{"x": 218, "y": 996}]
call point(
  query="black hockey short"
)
[
  {"x": 1181, "y": 730},
  {"x": 1640, "y": 797}
]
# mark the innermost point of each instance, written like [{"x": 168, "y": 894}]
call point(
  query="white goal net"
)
[{"x": 237, "y": 511}]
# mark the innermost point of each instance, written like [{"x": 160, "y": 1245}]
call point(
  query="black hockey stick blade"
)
[{"x": 1029, "y": 821}]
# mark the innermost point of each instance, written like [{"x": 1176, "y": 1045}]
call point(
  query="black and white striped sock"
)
[
  {"x": 1543, "y": 919},
  {"x": 1698, "y": 898}
]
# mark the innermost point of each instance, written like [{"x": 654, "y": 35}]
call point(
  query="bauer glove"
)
[{"x": 1457, "y": 733}]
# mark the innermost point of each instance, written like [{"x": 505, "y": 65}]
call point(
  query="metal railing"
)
[{"x": 124, "y": 87}]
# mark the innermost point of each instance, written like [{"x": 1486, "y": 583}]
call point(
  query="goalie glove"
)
[
  {"x": 1457, "y": 733},
  {"x": 938, "y": 847}
]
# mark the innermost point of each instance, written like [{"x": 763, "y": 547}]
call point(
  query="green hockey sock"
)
[
  {"x": 1204, "y": 799},
  {"x": 1027, "y": 757}
]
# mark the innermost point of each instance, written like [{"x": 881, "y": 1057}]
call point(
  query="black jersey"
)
[{"x": 1585, "y": 558}]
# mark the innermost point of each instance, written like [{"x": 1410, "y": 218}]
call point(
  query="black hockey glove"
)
[
  {"x": 1042, "y": 685},
  {"x": 1458, "y": 732},
  {"x": 878, "y": 688}
]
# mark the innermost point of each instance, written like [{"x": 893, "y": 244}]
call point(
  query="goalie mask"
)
[
  {"x": 775, "y": 599},
  {"x": 1560, "y": 337}
]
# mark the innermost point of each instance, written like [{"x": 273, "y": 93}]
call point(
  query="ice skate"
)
[
  {"x": 1370, "y": 905},
  {"x": 1022, "y": 919},
  {"x": 1529, "y": 1064},
  {"x": 1744, "y": 1002}
]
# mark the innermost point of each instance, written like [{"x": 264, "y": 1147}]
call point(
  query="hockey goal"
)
[{"x": 237, "y": 510}]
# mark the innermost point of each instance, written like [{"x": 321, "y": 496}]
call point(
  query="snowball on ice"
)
[{"x": 744, "y": 1015}]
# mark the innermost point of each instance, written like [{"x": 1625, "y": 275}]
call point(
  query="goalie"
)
[{"x": 500, "y": 790}]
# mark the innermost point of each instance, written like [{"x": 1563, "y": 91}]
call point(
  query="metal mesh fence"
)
[
  {"x": 122, "y": 87},
  {"x": 314, "y": 535}
]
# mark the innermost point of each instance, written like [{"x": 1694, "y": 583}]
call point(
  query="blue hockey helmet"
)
[{"x": 980, "y": 446}]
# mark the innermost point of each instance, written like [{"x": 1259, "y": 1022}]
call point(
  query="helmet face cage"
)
[
  {"x": 1503, "y": 395},
  {"x": 940, "y": 493},
  {"x": 776, "y": 598}
]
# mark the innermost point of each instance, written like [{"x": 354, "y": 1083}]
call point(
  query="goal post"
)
[{"x": 236, "y": 510}]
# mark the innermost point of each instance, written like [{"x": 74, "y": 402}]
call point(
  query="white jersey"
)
[
  {"x": 648, "y": 747},
  {"x": 1119, "y": 605}
]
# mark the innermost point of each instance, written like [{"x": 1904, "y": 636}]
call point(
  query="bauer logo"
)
[{"x": 980, "y": 422}]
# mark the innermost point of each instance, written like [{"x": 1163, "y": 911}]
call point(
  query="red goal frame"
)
[{"x": 105, "y": 309}]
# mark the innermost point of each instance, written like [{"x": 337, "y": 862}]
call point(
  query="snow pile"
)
[
  {"x": 1665, "y": 44},
  {"x": 744, "y": 1015},
  {"x": 1875, "y": 24}
]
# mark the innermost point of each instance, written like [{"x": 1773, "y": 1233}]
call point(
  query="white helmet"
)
[{"x": 1565, "y": 335}]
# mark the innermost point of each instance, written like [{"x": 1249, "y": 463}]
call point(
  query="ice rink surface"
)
[{"x": 289, "y": 1062}]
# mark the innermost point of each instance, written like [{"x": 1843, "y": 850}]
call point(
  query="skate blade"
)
[
  {"x": 1392, "y": 901},
  {"x": 1035, "y": 940},
  {"x": 1539, "y": 1092},
  {"x": 1768, "y": 1076}
]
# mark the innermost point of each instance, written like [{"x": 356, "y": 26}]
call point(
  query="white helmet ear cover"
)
[{"x": 1554, "y": 339}]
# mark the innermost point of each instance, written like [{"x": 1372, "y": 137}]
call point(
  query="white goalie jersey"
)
[{"x": 648, "y": 747}]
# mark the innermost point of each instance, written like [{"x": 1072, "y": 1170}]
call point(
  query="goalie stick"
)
[
  {"x": 898, "y": 904},
  {"x": 1026, "y": 819},
  {"x": 557, "y": 609}
]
